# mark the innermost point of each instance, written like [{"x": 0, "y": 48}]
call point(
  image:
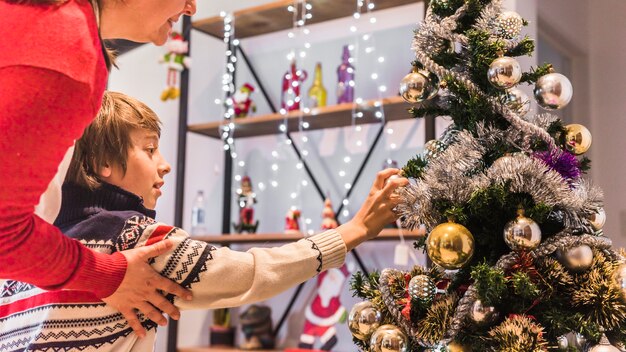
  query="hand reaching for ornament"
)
[{"x": 376, "y": 211}]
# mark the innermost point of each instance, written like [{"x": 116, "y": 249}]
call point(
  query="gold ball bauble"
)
[
  {"x": 419, "y": 86},
  {"x": 576, "y": 259},
  {"x": 450, "y": 245},
  {"x": 483, "y": 315},
  {"x": 577, "y": 139},
  {"x": 457, "y": 347},
  {"x": 598, "y": 219},
  {"x": 363, "y": 320},
  {"x": 389, "y": 338},
  {"x": 522, "y": 234}
]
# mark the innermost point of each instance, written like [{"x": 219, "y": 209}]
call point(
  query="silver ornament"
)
[
  {"x": 388, "y": 338},
  {"x": 504, "y": 72},
  {"x": 576, "y": 259},
  {"x": 509, "y": 24},
  {"x": 363, "y": 320},
  {"x": 518, "y": 101},
  {"x": 417, "y": 87},
  {"x": 483, "y": 315},
  {"x": 561, "y": 343},
  {"x": 580, "y": 342},
  {"x": 604, "y": 346},
  {"x": 553, "y": 91},
  {"x": 422, "y": 288},
  {"x": 598, "y": 219},
  {"x": 522, "y": 233}
]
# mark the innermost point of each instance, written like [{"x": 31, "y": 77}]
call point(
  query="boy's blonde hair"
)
[{"x": 107, "y": 138}]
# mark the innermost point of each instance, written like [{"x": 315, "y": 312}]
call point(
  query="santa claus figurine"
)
[
  {"x": 325, "y": 311},
  {"x": 241, "y": 102},
  {"x": 328, "y": 216},
  {"x": 176, "y": 61},
  {"x": 292, "y": 226},
  {"x": 246, "y": 199}
]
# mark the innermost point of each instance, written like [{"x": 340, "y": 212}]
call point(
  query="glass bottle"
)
[
  {"x": 345, "y": 78},
  {"x": 317, "y": 92},
  {"x": 198, "y": 215}
]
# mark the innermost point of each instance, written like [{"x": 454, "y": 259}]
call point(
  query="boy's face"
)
[{"x": 145, "y": 168}]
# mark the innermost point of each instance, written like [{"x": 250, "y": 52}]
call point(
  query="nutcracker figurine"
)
[
  {"x": 292, "y": 80},
  {"x": 291, "y": 221},
  {"x": 328, "y": 216},
  {"x": 325, "y": 311},
  {"x": 242, "y": 104},
  {"x": 176, "y": 61},
  {"x": 247, "y": 199}
]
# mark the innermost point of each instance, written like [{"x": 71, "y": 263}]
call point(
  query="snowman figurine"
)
[
  {"x": 241, "y": 102},
  {"x": 176, "y": 61}
]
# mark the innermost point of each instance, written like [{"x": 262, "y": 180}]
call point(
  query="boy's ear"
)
[{"x": 105, "y": 171}]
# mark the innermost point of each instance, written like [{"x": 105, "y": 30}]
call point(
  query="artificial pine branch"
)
[
  {"x": 535, "y": 73},
  {"x": 490, "y": 283},
  {"x": 525, "y": 47},
  {"x": 415, "y": 167}
]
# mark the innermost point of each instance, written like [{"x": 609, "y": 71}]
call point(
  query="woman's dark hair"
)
[{"x": 109, "y": 55}]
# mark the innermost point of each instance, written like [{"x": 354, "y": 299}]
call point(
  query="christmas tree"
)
[{"x": 515, "y": 231}]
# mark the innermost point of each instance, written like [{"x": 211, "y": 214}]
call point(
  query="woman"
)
[{"x": 52, "y": 77}]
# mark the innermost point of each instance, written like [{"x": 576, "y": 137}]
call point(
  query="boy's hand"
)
[
  {"x": 140, "y": 288},
  {"x": 376, "y": 211}
]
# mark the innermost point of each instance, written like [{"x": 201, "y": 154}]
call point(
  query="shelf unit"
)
[
  {"x": 219, "y": 349},
  {"x": 252, "y": 22},
  {"x": 319, "y": 118}
]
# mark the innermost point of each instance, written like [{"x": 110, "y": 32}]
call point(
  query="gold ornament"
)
[
  {"x": 577, "y": 139},
  {"x": 483, "y": 315},
  {"x": 418, "y": 86},
  {"x": 422, "y": 288},
  {"x": 363, "y": 320},
  {"x": 504, "y": 72},
  {"x": 620, "y": 279},
  {"x": 576, "y": 259},
  {"x": 522, "y": 234},
  {"x": 450, "y": 245},
  {"x": 553, "y": 91},
  {"x": 509, "y": 24},
  {"x": 598, "y": 219},
  {"x": 604, "y": 346},
  {"x": 457, "y": 347},
  {"x": 388, "y": 338}
]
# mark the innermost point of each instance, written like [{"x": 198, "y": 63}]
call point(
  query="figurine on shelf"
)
[
  {"x": 176, "y": 61},
  {"x": 317, "y": 92},
  {"x": 292, "y": 226},
  {"x": 256, "y": 325},
  {"x": 247, "y": 199},
  {"x": 325, "y": 311},
  {"x": 345, "y": 78},
  {"x": 292, "y": 80},
  {"x": 328, "y": 216},
  {"x": 241, "y": 102}
]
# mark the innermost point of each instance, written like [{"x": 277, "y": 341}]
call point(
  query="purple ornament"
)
[
  {"x": 562, "y": 162},
  {"x": 345, "y": 77}
]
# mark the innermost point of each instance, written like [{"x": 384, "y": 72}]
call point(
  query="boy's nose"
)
[{"x": 165, "y": 168}]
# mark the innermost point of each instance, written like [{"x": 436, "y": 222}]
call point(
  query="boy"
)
[{"x": 110, "y": 191}]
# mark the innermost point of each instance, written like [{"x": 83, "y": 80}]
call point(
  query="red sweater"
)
[{"x": 52, "y": 77}]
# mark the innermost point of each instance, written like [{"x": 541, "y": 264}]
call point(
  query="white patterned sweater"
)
[{"x": 32, "y": 319}]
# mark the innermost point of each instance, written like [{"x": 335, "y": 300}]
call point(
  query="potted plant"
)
[{"x": 221, "y": 333}]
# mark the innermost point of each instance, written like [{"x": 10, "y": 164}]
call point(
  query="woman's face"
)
[{"x": 143, "y": 20}]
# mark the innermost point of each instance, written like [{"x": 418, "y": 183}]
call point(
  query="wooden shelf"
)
[
  {"x": 325, "y": 117},
  {"x": 385, "y": 235},
  {"x": 273, "y": 17},
  {"x": 219, "y": 349}
]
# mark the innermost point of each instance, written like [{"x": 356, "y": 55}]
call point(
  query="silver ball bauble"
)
[
  {"x": 388, "y": 338},
  {"x": 418, "y": 86},
  {"x": 504, "y": 72},
  {"x": 561, "y": 343},
  {"x": 509, "y": 24},
  {"x": 598, "y": 219},
  {"x": 518, "y": 101},
  {"x": 522, "y": 234},
  {"x": 553, "y": 91},
  {"x": 363, "y": 320},
  {"x": 576, "y": 259},
  {"x": 580, "y": 342},
  {"x": 483, "y": 315},
  {"x": 422, "y": 288},
  {"x": 604, "y": 346}
]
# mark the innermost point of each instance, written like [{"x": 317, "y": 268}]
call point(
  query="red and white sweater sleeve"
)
[{"x": 42, "y": 111}]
